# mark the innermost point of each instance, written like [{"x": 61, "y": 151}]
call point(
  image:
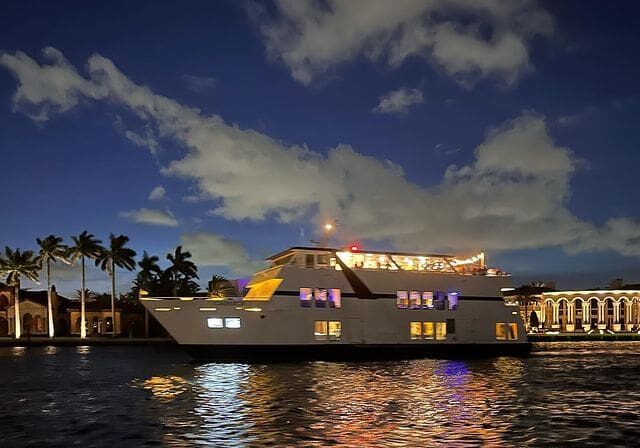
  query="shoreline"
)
[{"x": 69, "y": 341}]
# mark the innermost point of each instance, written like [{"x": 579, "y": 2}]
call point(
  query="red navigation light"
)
[{"x": 354, "y": 248}]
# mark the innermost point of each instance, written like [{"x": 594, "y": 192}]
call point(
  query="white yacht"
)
[{"x": 324, "y": 303}]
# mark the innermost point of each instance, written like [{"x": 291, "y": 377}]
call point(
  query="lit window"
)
[
  {"x": 321, "y": 297},
  {"x": 415, "y": 330},
  {"x": 414, "y": 299},
  {"x": 215, "y": 322},
  {"x": 402, "y": 301},
  {"x": 320, "y": 330},
  {"x": 335, "y": 330},
  {"x": 441, "y": 331},
  {"x": 427, "y": 299},
  {"x": 305, "y": 297},
  {"x": 501, "y": 331},
  {"x": 332, "y": 261},
  {"x": 232, "y": 322},
  {"x": 427, "y": 330},
  {"x": 513, "y": 331},
  {"x": 335, "y": 298},
  {"x": 439, "y": 301},
  {"x": 452, "y": 298}
]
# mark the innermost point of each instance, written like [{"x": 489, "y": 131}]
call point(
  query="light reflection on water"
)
[{"x": 580, "y": 393}]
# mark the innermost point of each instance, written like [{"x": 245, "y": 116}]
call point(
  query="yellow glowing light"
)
[
  {"x": 328, "y": 227},
  {"x": 253, "y": 309},
  {"x": 208, "y": 309},
  {"x": 162, "y": 309}
]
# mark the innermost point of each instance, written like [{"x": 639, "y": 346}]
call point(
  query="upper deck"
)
[{"x": 354, "y": 258}]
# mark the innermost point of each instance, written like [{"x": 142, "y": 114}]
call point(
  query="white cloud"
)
[
  {"x": 466, "y": 38},
  {"x": 398, "y": 101},
  {"x": 150, "y": 216},
  {"x": 157, "y": 193},
  {"x": 210, "y": 249},
  {"x": 198, "y": 84},
  {"x": 512, "y": 195}
]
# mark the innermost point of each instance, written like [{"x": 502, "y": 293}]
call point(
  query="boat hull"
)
[{"x": 352, "y": 352}]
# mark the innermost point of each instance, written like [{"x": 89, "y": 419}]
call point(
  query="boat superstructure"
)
[{"x": 327, "y": 303}]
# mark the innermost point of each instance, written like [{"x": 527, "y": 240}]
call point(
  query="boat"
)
[{"x": 323, "y": 303}]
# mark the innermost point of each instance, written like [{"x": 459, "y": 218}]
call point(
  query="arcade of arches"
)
[{"x": 583, "y": 311}]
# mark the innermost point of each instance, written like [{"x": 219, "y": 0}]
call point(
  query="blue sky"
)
[{"x": 446, "y": 126}]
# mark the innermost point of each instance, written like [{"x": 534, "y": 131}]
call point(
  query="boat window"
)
[
  {"x": 321, "y": 297},
  {"x": 335, "y": 298},
  {"x": 335, "y": 330},
  {"x": 402, "y": 301},
  {"x": 501, "y": 331},
  {"x": 215, "y": 322},
  {"x": 513, "y": 331},
  {"x": 415, "y": 330},
  {"x": 451, "y": 326},
  {"x": 439, "y": 300},
  {"x": 309, "y": 260},
  {"x": 284, "y": 260},
  {"x": 322, "y": 259},
  {"x": 441, "y": 331},
  {"x": 427, "y": 330},
  {"x": 320, "y": 330},
  {"x": 305, "y": 297},
  {"x": 427, "y": 299},
  {"x": 452, "y": 298},
  {"x": 414, "y": 299},
  {"x": 232, "y": 322}
]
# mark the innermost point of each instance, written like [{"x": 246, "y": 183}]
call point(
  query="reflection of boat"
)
[{"x": 322, "y": 303}]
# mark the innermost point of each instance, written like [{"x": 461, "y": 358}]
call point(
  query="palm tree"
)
[
  {"x": 51, "y": 250},
  {"x": 116, "y": 255},
  {"x": 84, "y": 246},
  {"x": 181, "y": 268},
  {"x": 149, "y": 271},
  {"x": 221, "y": 287},
  {"x": 16, "y": 264}
]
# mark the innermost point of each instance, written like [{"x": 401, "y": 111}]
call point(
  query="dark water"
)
[{"x": 581, "y": 394}]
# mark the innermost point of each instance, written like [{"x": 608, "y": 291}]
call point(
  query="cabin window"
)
[
  {"x": 427, "y": 330},
  {"x": 322, "y": 259},
  {"x": 332, "y": 261},
  {"x": 501, "y": 331},
  {"x": 452, "y": 298},
  {"x": 320, "y": 330},
  {"x": 335, "y": 330},
  {"x": 414, "y": 299},
  {"x": 441, "y": 331},
  {"x": 451, "y": 326},
  {"x": 305, "y": 297},
  {"x": 415, "y": 330},
  {"x": 402, "y": 301},
  {"x": 321, "y": 297},
  {"x": 335, "y": 298},
  {"x": 513, "y": 331},
  {"x": 232, "y": 322},
  {"x": 439, "y": 301},
  {"x": 215, "y": 322},
  {"x": 427, "y": 299},
  {"x": 308, "y": 260}
]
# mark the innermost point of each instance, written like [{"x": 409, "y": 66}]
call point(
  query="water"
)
[{"x": 569, "y": 394}]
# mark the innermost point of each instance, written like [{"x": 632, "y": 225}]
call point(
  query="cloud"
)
[
  {"x": 467, "y": 39},
  {"x": 150, "y": 216},
  {"x": 157, "y": 193},
  {"x": 199, "y": 84},
  {"x": 210, "y": 249},
  {"x": 398, "y": 101},
  {"x": 513, "y": 194}
]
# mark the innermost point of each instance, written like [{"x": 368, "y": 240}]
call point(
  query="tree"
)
[
  {"x": 15, "y": 264},
  {"x": 149, "y": 272},
  {"x": 182, "y": 270},
  {"x": 533, "y": 319},
  {"x": 220, "y": 287},
  {"x": 116, "y": 255},
  {"x": 51, "y": 250},
  {"x": 84, "y": 246}
]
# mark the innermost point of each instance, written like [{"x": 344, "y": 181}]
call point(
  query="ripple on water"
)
[{"x": 581, "y": 394}]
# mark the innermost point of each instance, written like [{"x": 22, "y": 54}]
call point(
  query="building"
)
[
  {"x": 34, "y": 312},
  {"x": 615, "y": 309}
]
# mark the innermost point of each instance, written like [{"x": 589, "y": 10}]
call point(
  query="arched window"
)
[{"x": 27, "y": 323}]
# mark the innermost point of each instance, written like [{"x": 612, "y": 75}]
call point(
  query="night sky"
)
[{"x": 238, "y": 128}]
